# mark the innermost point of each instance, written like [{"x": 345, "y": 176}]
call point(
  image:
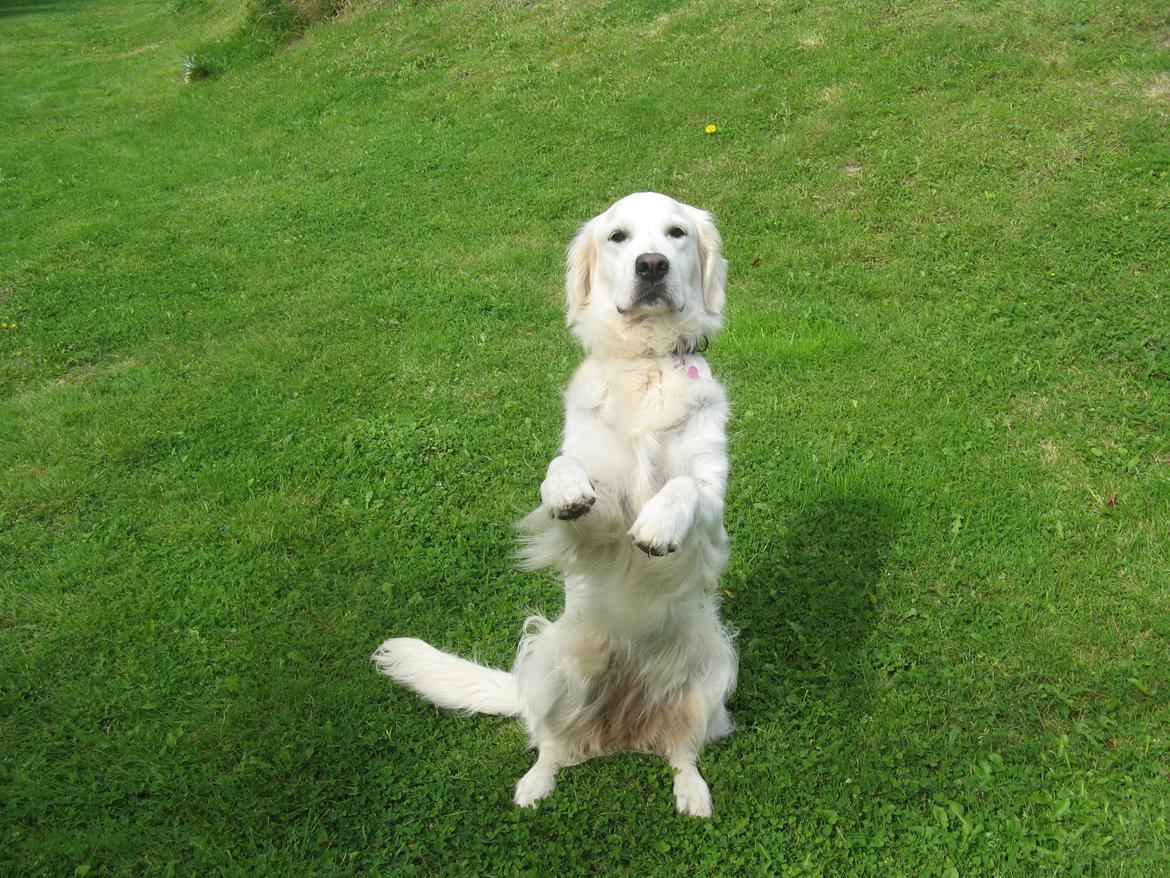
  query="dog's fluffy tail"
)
[{"x": 448, "y": 680}]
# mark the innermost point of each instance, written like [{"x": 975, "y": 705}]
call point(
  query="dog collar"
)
[{"x": 687, "y": 346}]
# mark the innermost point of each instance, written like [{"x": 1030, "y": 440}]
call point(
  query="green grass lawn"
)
[{"x": 280, "y": 363}]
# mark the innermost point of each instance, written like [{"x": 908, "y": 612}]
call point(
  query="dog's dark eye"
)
[
  {"x": 618, "y": 236},
  {"x": 676, "y": 232}
]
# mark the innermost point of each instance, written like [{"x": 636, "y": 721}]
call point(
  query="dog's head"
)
[{"x": 645, "y": 276}]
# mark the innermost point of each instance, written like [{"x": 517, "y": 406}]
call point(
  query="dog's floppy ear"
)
[
  {"x": 582, "y": 259},
  {"x": 714, "y": 266}
]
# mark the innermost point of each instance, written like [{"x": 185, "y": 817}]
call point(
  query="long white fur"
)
[
  {"x": 448, "y": 680},
  {"x": 639, "y": 656}
]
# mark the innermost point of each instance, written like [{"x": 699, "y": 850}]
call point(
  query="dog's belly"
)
[{"x": 621, "y": 713}]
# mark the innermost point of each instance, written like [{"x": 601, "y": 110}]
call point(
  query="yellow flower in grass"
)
[{"x": 711, "y": 129}]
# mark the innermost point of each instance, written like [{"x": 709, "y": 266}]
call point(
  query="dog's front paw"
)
[
  {"x": 660, "y": 528},
  {"x": 654, "y": 547},
  {"x": 566, "y": 491}
]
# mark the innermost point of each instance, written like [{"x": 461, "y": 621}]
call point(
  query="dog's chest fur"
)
[
  {"x": 638, "y": 412},
  {"x": 650, "y": 397}
]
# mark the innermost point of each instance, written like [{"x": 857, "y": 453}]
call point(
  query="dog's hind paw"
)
[
  {"x": 533, "y": 787},
  {"x": 692, "y": 794}
]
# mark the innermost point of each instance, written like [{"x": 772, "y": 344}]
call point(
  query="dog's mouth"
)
[{"x": 654, "y": 296}]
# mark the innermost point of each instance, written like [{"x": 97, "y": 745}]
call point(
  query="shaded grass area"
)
[{"x": 286, "y": 365}]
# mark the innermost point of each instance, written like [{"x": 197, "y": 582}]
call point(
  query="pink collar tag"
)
[{"x": 692, "y": 370}]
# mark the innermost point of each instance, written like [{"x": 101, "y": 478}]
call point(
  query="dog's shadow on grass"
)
[{"x": 805, "y": 605}]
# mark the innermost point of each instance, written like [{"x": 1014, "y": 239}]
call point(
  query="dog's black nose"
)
[{"x": 651, "y": 266}]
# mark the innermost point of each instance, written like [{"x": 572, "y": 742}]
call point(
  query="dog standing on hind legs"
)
[{"x": 631, "y": 516}]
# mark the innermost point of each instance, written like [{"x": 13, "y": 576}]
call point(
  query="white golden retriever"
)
[{"x": 631, "y": 515}]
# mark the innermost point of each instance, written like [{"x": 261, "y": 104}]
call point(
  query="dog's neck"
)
[
  {"x": 642, "y": 340},
  {"x": 683, "y": 347}
]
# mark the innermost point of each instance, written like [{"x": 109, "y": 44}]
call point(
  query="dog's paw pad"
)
[
  {"x": 657, "y": 550},
  {"x": 662, "y": 525},
  {"x": 567, "y": 492},
  {"x": 575, "y": 509}
]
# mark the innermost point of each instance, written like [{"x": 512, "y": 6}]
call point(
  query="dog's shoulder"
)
[{"x": 588, "y": 388}]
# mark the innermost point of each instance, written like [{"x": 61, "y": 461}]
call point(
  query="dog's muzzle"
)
[
  {"x": 649, "y": 296},
  {"x": 650, "y": 288}
]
